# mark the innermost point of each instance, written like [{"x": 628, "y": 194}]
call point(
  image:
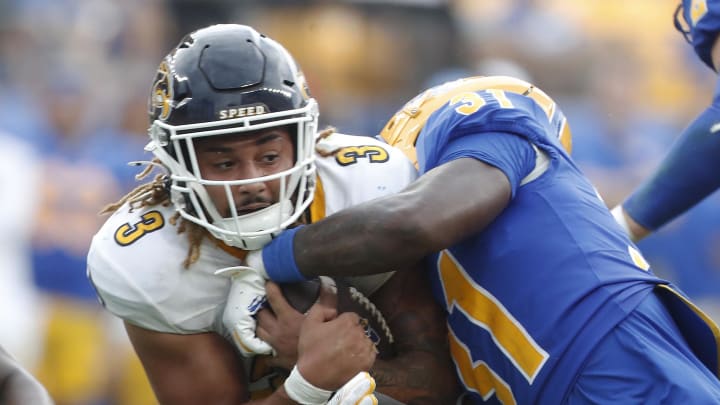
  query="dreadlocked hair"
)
[
  {"x": 322, "y": 135},
  {"x": 156, "y": 192}
]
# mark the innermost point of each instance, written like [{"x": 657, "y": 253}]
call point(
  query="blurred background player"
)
[
  {"x": 19, "y": 172},
  {"x": 234, "y": 126},
  {"x": 531, "y": 319},
  {"x": 686, "y": 175}
]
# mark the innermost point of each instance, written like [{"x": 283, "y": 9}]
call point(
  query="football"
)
[{"x": 303, "y": 295}]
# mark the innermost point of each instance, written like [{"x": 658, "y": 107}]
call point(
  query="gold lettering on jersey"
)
[
  {"x": 350, "y": 155},
  {"x": 485, "y": 311},
  {"x": 128, "y": 233},
  {"x": 501, "y": 98},
  {"x": 240, "y": 112},
  {"x": 469, "y": 103},
  {"x": 478, "y": 376}
]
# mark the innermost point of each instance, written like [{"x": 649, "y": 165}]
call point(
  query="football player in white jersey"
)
[{"x": 235, "y": 129}]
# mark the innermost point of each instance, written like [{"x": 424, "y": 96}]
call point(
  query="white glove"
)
[
  {"x": 246, "y": 298},
  {"x": 358, "y": 391}
]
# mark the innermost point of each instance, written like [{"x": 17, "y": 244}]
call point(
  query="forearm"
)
[
  {"x": 687, "y": 175},
  {"x": 377, "y": 241},
  {"x": 440, "y": 208}
]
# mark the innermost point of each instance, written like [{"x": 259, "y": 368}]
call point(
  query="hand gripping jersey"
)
[
  {"x": 703, "y": 25},
  {"x": 135, "y": 260},
  {"x": 531, "y": 295}
]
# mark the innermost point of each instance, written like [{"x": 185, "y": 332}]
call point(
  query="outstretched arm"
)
[
  {"x": 440, "y": 208},
  {"x": 685, "y": 177},
  {"x": 18, "y": 386}
]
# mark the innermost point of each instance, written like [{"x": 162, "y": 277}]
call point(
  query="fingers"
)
[
  {"x": 332, "y": 351},
  {"x": 366, "y": 350},
  {"x": 328, "y": 293},
  {"x": 368, "y": 400},
  {"x": 358, "y": 391},
  {"x": 320, "y": 313},
  {"x": 276, "y": 299},
  {"x": 266, "y": 324},
  {"x": 249, "y": 344}
]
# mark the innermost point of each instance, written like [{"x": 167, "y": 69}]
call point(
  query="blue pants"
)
[{"x": 645, "y": 360}]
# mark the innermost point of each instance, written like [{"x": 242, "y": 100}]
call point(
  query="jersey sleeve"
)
[
  {"x": 492, "y": 113},
  {"x": 683, "y": 178},
  {"x": 360, "y": 169},
  {"x": 118, "y": 294},
  {"x": 141, "y": 278},
  {"x": 512, "y": 154}
]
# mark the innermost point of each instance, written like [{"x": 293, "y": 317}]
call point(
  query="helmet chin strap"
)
[{"x": 267, "y": 218}]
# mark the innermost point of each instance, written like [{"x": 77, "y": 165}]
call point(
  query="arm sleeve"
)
[
  {"x": 512, "y": 154},
  {"x": 686, "y": 175}
]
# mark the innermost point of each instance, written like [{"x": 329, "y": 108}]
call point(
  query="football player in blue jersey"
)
[
  {"x": 685, "y": 176},
  {"x": 547, "y": 299}
]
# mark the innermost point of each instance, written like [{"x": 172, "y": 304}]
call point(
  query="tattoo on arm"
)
[{"x": 422, "y": 372}]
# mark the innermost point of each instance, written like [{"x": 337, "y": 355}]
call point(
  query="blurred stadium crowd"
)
[{"x": 75, "y": 74}]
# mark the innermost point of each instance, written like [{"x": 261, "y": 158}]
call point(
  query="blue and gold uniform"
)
[
  {"x": 686, "y": 175},
  {"x": 539, "y": 296},
  {"x": 703, "y": 25}
]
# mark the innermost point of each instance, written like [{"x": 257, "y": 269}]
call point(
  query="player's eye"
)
[
  {"x": 223, "y": 164},
  {"x": 270, "y": 158}
]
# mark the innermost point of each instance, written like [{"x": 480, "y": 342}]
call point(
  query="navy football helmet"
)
[{"x": 230, "y": 79}]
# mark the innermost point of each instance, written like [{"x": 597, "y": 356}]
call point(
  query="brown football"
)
[{"x": 303, "y": 295}]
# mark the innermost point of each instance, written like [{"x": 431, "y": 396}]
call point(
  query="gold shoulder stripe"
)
[{"x": 317, "y": 208}]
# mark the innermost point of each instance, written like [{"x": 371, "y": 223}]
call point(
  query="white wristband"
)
[
  {"x": 254, "y": 259},
  {"x": 302, "y": 392}
]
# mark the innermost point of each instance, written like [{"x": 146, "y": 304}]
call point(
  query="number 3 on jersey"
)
[
  {"x": 127, "y": 233},
  {"x": 350, "y": 155}
]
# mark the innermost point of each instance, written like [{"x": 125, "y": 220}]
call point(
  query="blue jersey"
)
[
  {"x": 703, "y": 21},
  {"x": 530, "y": 296}
]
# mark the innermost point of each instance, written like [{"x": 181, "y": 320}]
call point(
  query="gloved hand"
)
[
  {"x": 246, "y": 298},
  {"x": 358, "y": 391}
]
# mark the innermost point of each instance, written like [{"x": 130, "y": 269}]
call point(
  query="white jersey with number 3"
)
[{"x": 136, "y": 259}]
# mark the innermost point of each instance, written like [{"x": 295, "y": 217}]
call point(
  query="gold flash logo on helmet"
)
[
  {"x": 162, "y": 93},
  {"x": 302, "y": 85}
]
